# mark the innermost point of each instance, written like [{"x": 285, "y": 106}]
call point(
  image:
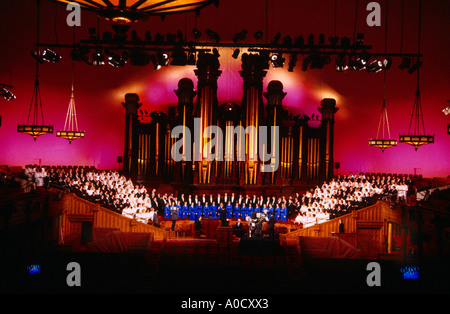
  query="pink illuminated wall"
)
[{"x": 99, "y": 91}]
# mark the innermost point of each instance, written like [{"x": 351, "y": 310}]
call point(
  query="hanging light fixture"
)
[
  {"x": 127, "y": 11},
  {"x": 35, "y": 128},
  {"x": 383, "y": 142},
  {"x": 415, "y": 136},
  {"x": 70, "y": 131}
]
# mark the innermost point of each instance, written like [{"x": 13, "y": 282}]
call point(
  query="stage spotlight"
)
[
  {"x": 213, "y": 35},
  {"x": 37, "y": 56},
  {"x": 333, "y": 40},
  {"x": 319, "y": 61},
  {"x": 148, "y": 36},
  {"x": 315, "y": 61},
  {"x": 235, "y": 53},
  {"x": 159, "y": 38},
  {"x": 299, "y": 41},
  {"x": 446, "y": 111},
  {"x": 277, "y": 38},
  {"x": 240, "y": 36},
  {"x": 258, "y": 35},
  {"x": 387, "y": 63},
  {"x": 50, "y": 56},
  {"x": 196, "y": 33},
  {"x": 345, "y": 42},
  {"x": 415, "y": 66},
  {"x": 139, "y": 57},
  {"x": 154, "y": 60},
  {"x": 178, "y": 57},
  {"x": 81, "y": 54},
  {"x": 311, "y": 39},
  {"x": 277, "y": 60},
  {"x": 375, "y": 66},
  {"x": 134, "y": 36},
  {"x": 360, "y": 39},
  {"x": 114, "y": 59},
  {"x": 322, "y": 39},
  {"x": 341, "y": 65},
  {"x": 287, "y": 42},
  {"x": 98, "y": 58},
  {"x": 292, "y": 62},
  {"x": 306, "y": 62},
  {"x": 171, "y": 39},
  {"x": 163, "y": 58},
  {"x": 406, "y": 63},
  {"x": 360, "y": 62},
  {"x": 7, "y": 94}
]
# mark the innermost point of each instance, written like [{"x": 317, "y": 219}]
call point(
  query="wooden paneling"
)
[
  {"x": 367, "y": 228},
  {"x": 76, "y": 210}
]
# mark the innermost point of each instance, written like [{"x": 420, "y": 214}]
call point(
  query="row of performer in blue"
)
[{"x": 192, "y": 211}]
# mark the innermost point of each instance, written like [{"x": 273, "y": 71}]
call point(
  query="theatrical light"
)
[
  {"x": 360, "y": 39},
  {"x": 292, "y": 62},
  {"x": 7, "y": 94},
  {"x": 81, "y": 54},
  {"x": 213, "y": 35},
  {"x": 375, "y": 66},
  {"x": 333, "y": 40},
  {"x": 341, "y": 65},
  {"x": 299, "y": 41},
  {"x": 415, "y": 66},
  {"x": 235, "y": 53},
  {"x": 315, "y": 61},
  {"x": 98, "y": 58},
  {"x": 277, "y": 60},
  {"x": 240, "y": 36},
  {"x": 446, "y": 111},
  {"x": 387, "y": 63},
  {"x": 139, "y": 58},
  {"x": 196, "y": 33},
  {"x": 406, "y": 63},
  {"x": 115, "y": 60},
  {"x": 277, "y": 38},
  {"x": 50, "y": 56},
  {"x": 163, "y": 58},
  {"x": 179, "y": 57},
  {"x": 358, "y": 64},
  {"x": 258, "y": 35}
]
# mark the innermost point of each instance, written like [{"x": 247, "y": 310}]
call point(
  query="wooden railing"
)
[
  {"x": 376, "y": 215},
  {"x": 76, "y": 209}
]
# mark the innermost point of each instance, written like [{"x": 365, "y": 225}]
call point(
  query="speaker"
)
[
  {"x": 119, "y": 159},
  {"x": 337, "y": 165}
]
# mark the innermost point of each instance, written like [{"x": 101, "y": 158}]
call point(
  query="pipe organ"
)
[{"x": 295, "y": 151}]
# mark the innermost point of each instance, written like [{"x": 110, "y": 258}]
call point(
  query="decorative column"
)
[
  {"x": 327, "y": 109},
  {"x": 185, "y": 107},
  {"x": 130, "y": 156},
  {"x": 206, "y": 109},
  {"x": 252, "y": 114}
]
